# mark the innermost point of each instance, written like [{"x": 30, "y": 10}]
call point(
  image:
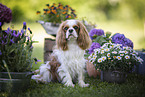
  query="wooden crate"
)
[{"x": 48, "y": 48}]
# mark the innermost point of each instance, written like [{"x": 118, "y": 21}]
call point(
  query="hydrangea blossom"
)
[
  {"x": 121, "y": 39},
  {"x": 96, "y": 32},
  {"x": 94, "y": 46}
]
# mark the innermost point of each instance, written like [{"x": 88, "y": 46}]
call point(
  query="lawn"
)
[{"x": 133, "y": 87}]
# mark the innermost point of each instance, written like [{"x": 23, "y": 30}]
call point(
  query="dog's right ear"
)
[{"x": 61, "y": 41}]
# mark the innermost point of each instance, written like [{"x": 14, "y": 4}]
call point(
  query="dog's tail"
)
[{"x": 43, "y": 74}]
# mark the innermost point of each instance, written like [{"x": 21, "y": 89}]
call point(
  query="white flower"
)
[
  {"x": 140, "y": 59},
  {"x": 108, "y": 55},
  {"x": 102, "y": 51},
  {"x": 107, "y": 50},
  {"x": 114, "y": 57},
  {"x": 124, "y": 47},
  {"x": 121, "y": 51},
  {"x": 114, "y": 52},
  {"x": 94, "y": 57},
  {"x": 127, "y": 57},
  {"x": 99, "y": 60},
  {"x": 97, "y": 50},
  {"x": 119, "y": 44},
  {"x": 103, "y": 58},
  {"x": 119, "y": 58},
  {"x": 126, "y": 52},
  {"x": 121, "y": 54}
]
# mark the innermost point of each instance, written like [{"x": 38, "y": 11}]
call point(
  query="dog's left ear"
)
[{"x": 83, "y": 40}]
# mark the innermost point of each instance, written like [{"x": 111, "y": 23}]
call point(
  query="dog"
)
[{"x": 67, "y": 63}]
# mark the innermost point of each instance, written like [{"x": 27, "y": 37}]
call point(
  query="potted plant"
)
[
  {"x": 53, "y": 15},
  {"x": 16, "y": 58},
  {"x": 114, "y": 61}
]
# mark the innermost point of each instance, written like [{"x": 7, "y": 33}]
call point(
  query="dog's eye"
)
[
  {"x": 65, "y": 28},
  {"x": 75, "y": 27}
]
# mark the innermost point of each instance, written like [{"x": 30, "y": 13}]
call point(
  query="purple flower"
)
[
  {"x": 94, "y": 46},
  {"x": 117, "y": 37},
  {"x": 4, "y": 36},
  {"x": 12, "y": 41},
  {"x": 96, "y": 32},
  {"x": 36, "y": 60},
  {"x": 29, "y": 29},
  {"x": 5, "y": 14},
  {"x": 128, "y": 42},
  {"x": 121, "y": 39},
  {"x": 0, "y": 23},
  {"x": 16, "y": 35},
  {"x": 24, "y": 25}
]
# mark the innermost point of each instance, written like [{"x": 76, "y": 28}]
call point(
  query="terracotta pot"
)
[{"x": 91, "y": 70}]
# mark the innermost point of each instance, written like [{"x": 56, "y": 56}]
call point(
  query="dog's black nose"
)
[{"x": 70, "y": 30}]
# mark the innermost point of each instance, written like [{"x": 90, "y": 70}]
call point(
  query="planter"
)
[
  {"x": 49, "y": 27},
  {"x": 140, "y": 69},
  {"x": 113, "y": 76},
  {"x": 19, "y": 81}
]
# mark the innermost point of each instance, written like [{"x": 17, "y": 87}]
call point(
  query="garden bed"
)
[{"x": 133, "y": 87}]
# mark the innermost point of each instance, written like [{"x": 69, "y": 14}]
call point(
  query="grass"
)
[{"x": 133, "y": 87}]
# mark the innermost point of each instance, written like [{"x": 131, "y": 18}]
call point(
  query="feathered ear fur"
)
[
  {"x": 61, "y": 41},
  {"x": 83, "y": 40}
]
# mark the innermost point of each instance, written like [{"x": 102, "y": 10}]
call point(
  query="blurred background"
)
[{"x": 124, "y": 16}]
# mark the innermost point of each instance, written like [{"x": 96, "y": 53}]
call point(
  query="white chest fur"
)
[{"x": 71, "y": 60}]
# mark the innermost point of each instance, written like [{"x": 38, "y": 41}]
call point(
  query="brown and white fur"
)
[{"x": 68, "y": 61}]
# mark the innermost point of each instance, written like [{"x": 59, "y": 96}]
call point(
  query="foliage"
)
[
  {"x": 115, "y": 57},
  {"x": 5, "y": 14},
  {"x": 57, "y": 13},
  {"x": 16, "y": 49}
]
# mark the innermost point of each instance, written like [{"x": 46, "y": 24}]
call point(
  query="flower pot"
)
[
  {"x": 113, "y": 76},
  {"x": 19, "y": 81},
  {"x": 140, "y": 69},
  {"x": 49, "y": 27}
]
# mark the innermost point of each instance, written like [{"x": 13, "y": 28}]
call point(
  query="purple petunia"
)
[
  {"x": 121, "y": 39},
  {"x": 94, "y": 46},
  {"x": 96, "y": 32}
]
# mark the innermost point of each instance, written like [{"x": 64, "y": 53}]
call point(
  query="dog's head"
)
[{"x": 72, "y": 30}]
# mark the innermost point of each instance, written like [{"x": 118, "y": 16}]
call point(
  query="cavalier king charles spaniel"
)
[{"x": 67, "y": 63}]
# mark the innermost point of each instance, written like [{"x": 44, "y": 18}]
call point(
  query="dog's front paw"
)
[
  {"x": 82, "y": 84},
  {"x": 69, "y": 84}
]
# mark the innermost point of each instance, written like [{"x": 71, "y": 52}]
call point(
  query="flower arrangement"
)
[
  {"x": 5, "y": 14},
  {"x": 113, "y": 56},
  {"x": 99, "y": 38},
  {"x": 57, "y": 13},
  {"x": 16, "y": 50}
]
